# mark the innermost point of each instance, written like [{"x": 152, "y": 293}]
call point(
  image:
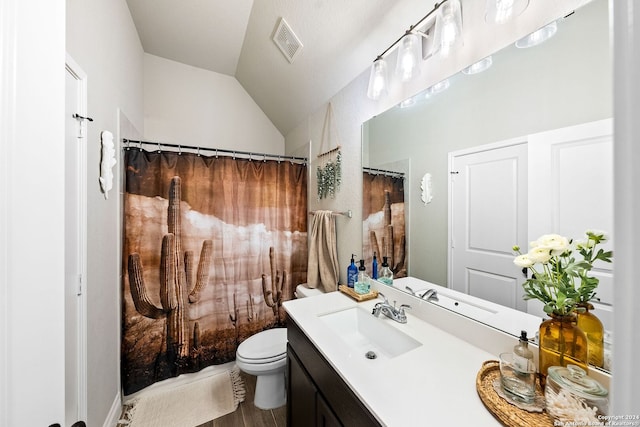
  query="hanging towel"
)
[{"x": 322, "y": 270}]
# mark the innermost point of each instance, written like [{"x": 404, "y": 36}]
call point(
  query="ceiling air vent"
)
[{"x": 287, "y": 41}]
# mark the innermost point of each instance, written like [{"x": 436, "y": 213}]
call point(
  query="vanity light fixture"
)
[
  {"x": 446, "y": 34},
  {"x": 407, "y": 102},
  {"x": 437, "y": 88},
  {"x": 448, "y": 30},
  {"x": 408, "y": 65},
  {"x": 479, "y": 66},
  {"x": 378, "y": 79},
  {"x": 539, "y": 36},
  {"x": 501, "y": 11}
]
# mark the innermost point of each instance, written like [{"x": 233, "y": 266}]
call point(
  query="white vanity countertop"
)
[{"x": 432, "y": 384}]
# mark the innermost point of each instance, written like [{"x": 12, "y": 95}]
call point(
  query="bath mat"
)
[{"x": 187, "y": 405}]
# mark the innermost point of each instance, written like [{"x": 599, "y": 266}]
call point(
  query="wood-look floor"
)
[{"x": 247, "y": 415}]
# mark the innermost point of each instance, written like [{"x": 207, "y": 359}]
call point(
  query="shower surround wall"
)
[{"x": 212, "y": 247}]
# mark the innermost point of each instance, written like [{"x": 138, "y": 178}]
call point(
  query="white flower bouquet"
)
[{"x": 559, "y": 280}]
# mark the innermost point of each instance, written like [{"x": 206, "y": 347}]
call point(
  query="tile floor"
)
[{"x": 247, "y": 415}]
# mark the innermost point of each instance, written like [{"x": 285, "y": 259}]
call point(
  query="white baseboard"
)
[{"x": 114, "y": 413}]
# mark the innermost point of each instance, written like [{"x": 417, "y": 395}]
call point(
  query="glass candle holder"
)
[{"x": 518, "y": 380}]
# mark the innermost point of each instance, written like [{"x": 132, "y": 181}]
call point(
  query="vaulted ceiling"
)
[{"x": 340, "y": 39}]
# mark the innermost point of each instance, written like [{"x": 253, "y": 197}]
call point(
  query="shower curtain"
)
[
  {"x": 212, "y": 246},
  {"x": 383, "y": 221}
]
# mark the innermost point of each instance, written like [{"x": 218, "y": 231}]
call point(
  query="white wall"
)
[
  {"x": 32, "y": 64},
  {"x": 191, "y": 106},
  {"x": 102, "y": 39}
]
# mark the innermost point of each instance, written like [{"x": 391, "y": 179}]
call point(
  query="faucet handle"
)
[
  {"x": 403, "y": 307},
  {"x": 380, "y": 294}
]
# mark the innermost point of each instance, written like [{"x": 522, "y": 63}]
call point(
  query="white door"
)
[
  {"x": 487, "y": 217},
  {"x": 571, "y": 191},
  {"x": 75, "y": 245}
]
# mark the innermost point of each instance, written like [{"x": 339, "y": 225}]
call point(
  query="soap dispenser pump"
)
[
  {"x": 386, "y": 275},
  {"x": 352, "y": 273}
]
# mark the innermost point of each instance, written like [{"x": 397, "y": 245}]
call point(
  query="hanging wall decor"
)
[
  {"x": 107, "y": 162},
  {"x": 329, "y": 170}
]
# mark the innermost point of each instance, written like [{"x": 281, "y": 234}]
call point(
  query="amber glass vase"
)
[
  {"x": 593, "y": 329},
  {"x": 561, "y": 343}
]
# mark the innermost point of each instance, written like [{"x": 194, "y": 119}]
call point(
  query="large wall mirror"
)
[{"x": 563, "y": 83}]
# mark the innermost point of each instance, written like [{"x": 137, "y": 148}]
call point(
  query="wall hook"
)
[{"x": 79, "y": 117}]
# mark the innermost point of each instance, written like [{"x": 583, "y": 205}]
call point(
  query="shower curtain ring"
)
[
  {"x": 264, "y": 158},
  {"x": 198, "y": 152},
  {"x": 216, "y": 153},
  {"x": 179, "y": 150},
  {"x": 234, "y": 155},
  {"x": 159, "y": 150},
  {"x": 140, "y": 145}
]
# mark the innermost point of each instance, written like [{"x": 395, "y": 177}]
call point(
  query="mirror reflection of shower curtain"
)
[
  {"x": 383, "y": 221},
  {"x": 208, "y": 257}
]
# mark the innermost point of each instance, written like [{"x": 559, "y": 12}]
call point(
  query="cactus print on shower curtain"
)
[{"x": 212, "y": 246}]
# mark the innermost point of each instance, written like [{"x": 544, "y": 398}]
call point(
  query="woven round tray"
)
[{"x": 504, "y": 411}]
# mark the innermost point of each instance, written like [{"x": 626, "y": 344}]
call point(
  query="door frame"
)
[
  {"x": 512, "y": 142},
  {"x": 77, "y": 73}
]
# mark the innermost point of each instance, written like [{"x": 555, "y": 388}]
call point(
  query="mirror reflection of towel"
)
[{"x": 322, "y": 270}]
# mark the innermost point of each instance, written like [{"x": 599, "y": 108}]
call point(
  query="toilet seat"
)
[{"x": 264, "y": 347}]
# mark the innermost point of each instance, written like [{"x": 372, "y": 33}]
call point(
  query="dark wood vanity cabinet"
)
[{"x": 316, "y": 395}]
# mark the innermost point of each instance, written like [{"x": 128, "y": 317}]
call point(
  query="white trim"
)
[
  {"x": 76, "y": 72},
  {"x": 7, "y": 137},
  {"x": 114, "y": 412},
  {"x": 625, "y": 393}
]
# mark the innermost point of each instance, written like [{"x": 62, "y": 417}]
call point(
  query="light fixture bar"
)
[{"x": 411, "y": 29}]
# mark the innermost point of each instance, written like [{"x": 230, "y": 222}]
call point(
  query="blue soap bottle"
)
[
  {"x": 374, "y": 267},
  {"x": 352, "y": 273}
]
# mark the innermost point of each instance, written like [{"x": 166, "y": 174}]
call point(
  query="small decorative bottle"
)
[
  {"x": 374, "y": 267},
  {"x": 362, "y": 285},
  {"x": 522, "y": 356},
  {"x": 386, "y": 275},
  {"x": 352, "y": 273}
]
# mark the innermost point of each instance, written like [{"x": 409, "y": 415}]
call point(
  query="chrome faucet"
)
[
  {"x": 391, "y": 311},
  {"x": 429, "y": 294}
]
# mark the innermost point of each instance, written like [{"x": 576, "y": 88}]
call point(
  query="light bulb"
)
[
  {"x": 378, "y": 79},
  {"x": 408, "y": 57}
]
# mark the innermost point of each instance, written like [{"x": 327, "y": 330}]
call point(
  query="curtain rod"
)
[
  {"x": 383, "y": 171},
  {"x": 130, "y": 143}
]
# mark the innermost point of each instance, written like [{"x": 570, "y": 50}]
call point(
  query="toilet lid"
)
[{"x": 264, "y": 345}]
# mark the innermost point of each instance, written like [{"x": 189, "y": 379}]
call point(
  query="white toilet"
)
[
  {"x": 265, "y": 356},
  {"x": 302, "y": 291}
]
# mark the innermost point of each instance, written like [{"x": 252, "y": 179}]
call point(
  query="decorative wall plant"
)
[
  {"x": 329, "y": 170},
  {"x": 329, "y": 176}
]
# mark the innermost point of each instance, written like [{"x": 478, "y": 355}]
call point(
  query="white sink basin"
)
[{"x": 363, "y": 333}]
